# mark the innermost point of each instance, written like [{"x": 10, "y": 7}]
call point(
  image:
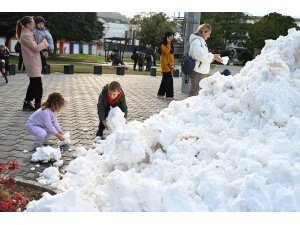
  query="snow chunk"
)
[
  {"x": 80, "y": 151},
  {"x": 115, "y": 119},
  {"x": 70, "y": 201},
  {"x": 67, "y": 140},
  {"x": 49, "y": 176},
  {"x": 46, "y": 154}
]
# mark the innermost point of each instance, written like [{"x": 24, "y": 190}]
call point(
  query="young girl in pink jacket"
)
[{"x": 43, "y": 122}]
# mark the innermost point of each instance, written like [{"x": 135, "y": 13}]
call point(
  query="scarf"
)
[{"x": 113, "y": 101}]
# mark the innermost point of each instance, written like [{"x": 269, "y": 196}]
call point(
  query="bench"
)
[
  {"x": 12, "y": 69},
  {"x": 68, "y": 69},
  {"x": 98, "y": 70},
  {"x": 153, "y": 72},
  {"x": 120, "y": 70}
]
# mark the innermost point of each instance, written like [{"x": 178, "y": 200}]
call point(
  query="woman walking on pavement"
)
[
  {"x": 135, "y": 56},
  {"x": 167, "y": 66},
  {"x": 32, "y": 61}
]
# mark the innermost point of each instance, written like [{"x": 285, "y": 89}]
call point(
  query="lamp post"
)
[{"x": 192, "y": 21}]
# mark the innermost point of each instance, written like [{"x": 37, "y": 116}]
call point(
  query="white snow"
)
[
  {"x": 115, "y": 119},
  {"x": 225, "y": 60},
  {"x": 71, "y": 201},
  {"x": 46, "y": 154},
  {"x": 58, "y": 163},
  {"x": 67, "y": 140},
  {"x": 50, "y": 176},
  {"x": 80, "y": 151},
  {"x": 234, "y": 147}
]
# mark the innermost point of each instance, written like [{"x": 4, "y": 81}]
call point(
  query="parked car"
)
[{"x": 237, "y": 55}]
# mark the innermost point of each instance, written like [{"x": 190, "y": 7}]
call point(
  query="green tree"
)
[
  {"x": 77, "y": 26},
  {"x": 270, "y": 26},
  {"x": 227, "y": 28},
  {"x": 153, "y": 27}
]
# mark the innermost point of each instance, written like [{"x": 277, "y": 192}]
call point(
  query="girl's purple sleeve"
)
[
  {"x": 49, "y": 125},
  {"x": 56, "y": 125}
]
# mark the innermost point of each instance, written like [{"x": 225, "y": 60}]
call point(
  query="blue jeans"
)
[{"x": 148, "y": 65}]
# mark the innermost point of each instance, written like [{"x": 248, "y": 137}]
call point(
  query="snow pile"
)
[
  {"x": 58, "y": 163},
  {"x": 127, "y": 146},
  {"x": 80, "y": 151},
  {"x": 234, "y": 147},
  {"x": 46, "y": 154},
  {"x": 115, "y": 119},
  {"x": 67, "y": 140},
  {"x": 50, "y": 175},
  {"x": 71, "y": 201}
]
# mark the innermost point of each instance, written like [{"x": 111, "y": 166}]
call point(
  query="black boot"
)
[
  {"x": 27, "y": 106},
  {"x": 99, "y": 133},
  {"x": 37, "y": 105}
]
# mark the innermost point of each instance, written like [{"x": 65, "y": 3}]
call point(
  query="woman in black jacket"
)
[
  {"x": 19, "y": 50},
  {"x": 135, "y": 56}
]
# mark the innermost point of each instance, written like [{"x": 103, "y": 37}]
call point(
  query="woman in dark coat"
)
[
  {"x": 135, "y": 56},
  {"x": 19, "y": 50}
]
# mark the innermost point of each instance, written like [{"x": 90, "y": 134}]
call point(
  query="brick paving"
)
[{"x": 80, "y": 118}]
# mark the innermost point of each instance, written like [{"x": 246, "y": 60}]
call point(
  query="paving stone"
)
[
  {"x": 31, "y": 175},
  {"x": 83, "y": 90},
  {"x": 6, "y": 148},
  {"x": 5, "y": 155},
  {"x": 21, "y": 154},
  {"x": 8, "y": 142}
]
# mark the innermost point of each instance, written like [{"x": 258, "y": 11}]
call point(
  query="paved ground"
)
[
  {"x": 81, "y": 114},
  {"x": 80, "y": 118}
]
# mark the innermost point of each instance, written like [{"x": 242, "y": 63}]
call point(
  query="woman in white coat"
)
[{"x": 199, "y": 52}]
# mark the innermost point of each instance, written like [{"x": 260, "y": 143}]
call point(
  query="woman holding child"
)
[{"x": 32, "y": 61}]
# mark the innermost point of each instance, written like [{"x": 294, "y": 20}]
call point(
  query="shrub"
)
[{"x": 10, "y": 201}]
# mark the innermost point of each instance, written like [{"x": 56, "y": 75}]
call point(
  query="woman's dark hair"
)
[
  {"x": 22, "y": 23},
  {"x": 167, "y": 34},
  {"x": 55, "y": 102},
  {"x": 164, "y": 41}
]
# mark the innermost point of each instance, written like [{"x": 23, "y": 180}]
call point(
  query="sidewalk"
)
[{"x": 80, "y": 118}]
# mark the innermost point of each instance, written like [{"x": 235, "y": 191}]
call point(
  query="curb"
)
[{"x": 36, "y": 185}]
